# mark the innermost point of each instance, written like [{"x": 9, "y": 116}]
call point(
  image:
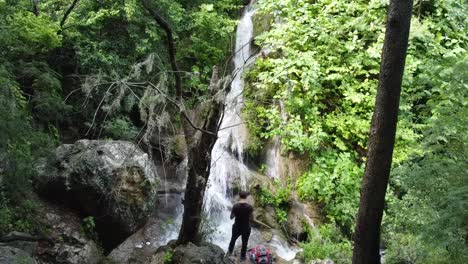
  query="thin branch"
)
[
  {"x": 67, "y": 13},
  {"x": 182, "y": 111},
  {"x": 227, "y": 127},
  {"x": 99, "y": 107},
  {"x": 170, "y": 45}
]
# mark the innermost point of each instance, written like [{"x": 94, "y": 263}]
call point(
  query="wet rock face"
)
[
  {"x": 162, "y": 227},
  {"x": 297, "y": 223},
  {"x": 113, "y": 181}
]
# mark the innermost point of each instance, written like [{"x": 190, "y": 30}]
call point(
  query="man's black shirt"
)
[{"x": 242, "y": 213}]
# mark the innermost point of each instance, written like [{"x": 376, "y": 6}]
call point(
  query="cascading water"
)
[
  {"x": 227, "y": 155},
  {"x": 227, "y": 165},
  {"x": 273, "y": 161}
]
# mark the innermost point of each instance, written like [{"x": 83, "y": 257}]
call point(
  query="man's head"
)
[{"x": 243, "y": 194}]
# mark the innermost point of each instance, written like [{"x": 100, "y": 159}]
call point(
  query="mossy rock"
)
[
  {"x": 178, "y": 147},
  {"x": 261, "y": 23},
  {"x": 266, "y": 216},
  {"x": 113, "y": 181},
  {"x": 11, "y": 255}
]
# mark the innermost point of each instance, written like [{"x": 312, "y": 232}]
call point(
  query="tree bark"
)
[
  {"x": 199, "y": 166},
  {"x": 35, "y": 7},
  {"x": 171, "y": 47},
  {"x": 67, "y": 13},
  {"x": 382, "y": 137},
  {"x": 200, "y": 141}
]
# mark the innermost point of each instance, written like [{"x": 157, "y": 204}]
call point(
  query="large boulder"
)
[
  {"x": 68, "y": 243},
  {"x": 11, "y": 255},
  {"x": 162, "y": 227},
  {"x": 113, "y": 181},
  {"x": 206, "y": 253},
  {"x": 60, "y": 240}
]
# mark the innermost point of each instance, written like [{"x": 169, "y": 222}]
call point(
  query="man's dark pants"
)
[{"x": 236, "y": 232}]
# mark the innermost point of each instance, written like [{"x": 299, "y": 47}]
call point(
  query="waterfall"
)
[
  {"x": 227, "y": 164},
  {"x": 227, "y": 155},
  {"x": 273, "y": 161}
]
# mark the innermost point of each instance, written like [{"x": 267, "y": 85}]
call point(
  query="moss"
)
[{"x": 177, "y": 147}]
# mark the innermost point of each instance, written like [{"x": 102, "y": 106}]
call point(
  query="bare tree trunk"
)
[
  {"x": 382, "y": 137},
  {"x": 200, "y": 142}
]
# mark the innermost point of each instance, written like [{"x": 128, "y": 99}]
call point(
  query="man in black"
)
[{"x": 242, "y": 211}]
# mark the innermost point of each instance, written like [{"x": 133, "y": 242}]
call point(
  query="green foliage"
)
[
  {"x": 168, "y": 257},
  {"x": 281, "y": 215},
  {"x": 21, "y": 144},
  {"x": 24, "y": 34},
  {"x": 20, "y": 216},
  {"x": 263, "y": 169},
  {"x": 89, "y": 223},
  {"x": 120, "y": 128},
  {"x": 314, "y": 90},
  {"x": 89, "y": 226},
  {"x": 325, "y": 73},
  {"x": 430, "y": 213},
  {"x": 210, "y": 44},
  {"x": 333, "y": 181},
  {"x": 316, "y": 87},
  {"x": 279, "y": 199},
  {"x": 328, "y": 98},
  {"x": 55, "y": 81},
  {"x": 327, "y": 243},
  {"x": 5, "y": 214},
  {"x": 211, "y": 27}
]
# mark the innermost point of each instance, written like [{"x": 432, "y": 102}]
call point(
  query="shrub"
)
[{"x": 327, "y": 243}]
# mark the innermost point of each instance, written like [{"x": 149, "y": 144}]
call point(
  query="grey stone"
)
[
  {"x": 11, "y": 255},
  {"x": 113, "y": 181},
  {"x": 70, "y": 245},
  {"x": 191, "y": 254},
  {"x": 163, "y": 226},
  {"x": 297, "y": 223}
]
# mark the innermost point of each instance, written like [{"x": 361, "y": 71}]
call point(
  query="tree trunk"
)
[
  {"x": 199, "y": 146},
  {"x": 67, "y": 13},
  {"x": 200, "y": 141},
  {"x": 35, "y": 7},
  {"x": 199, "y": 165},
  {"x": 382, "y": 137}
]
